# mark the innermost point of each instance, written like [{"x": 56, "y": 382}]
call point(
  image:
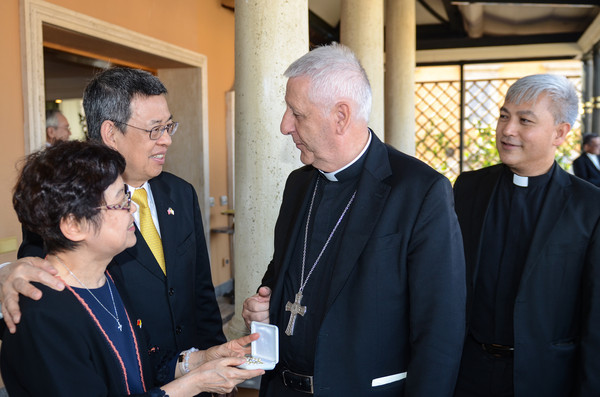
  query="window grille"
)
[{"x": 450, "y": 149}]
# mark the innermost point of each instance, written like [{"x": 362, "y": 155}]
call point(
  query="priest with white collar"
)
[
  {"x": 367, "y": 280},
  {"x": 532, "y": 248}
]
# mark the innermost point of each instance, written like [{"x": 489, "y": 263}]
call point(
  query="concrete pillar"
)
[
  {"x": 269, "y": 35},
  {"x": 587, "y": 90},
  {"x": 596, "y": 90},
  {"x": 361, "y": 29},
  {"x": 400, "y": 75}
]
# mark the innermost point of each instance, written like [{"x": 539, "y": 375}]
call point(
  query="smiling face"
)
[
  {"x": 145, "y": 157},
  {"x": 117, "y": 230},
  {"x": 527, "y": 137},
  {"x": 312, "y": 131}
]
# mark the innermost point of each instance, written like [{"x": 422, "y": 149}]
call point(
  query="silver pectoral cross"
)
[{"x": 295, "y": 309}]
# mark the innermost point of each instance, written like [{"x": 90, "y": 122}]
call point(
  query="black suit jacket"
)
[
  {"x": 585, "y": 169},
  {"x": 180, "y": 310},
  {"x": 557, "y": 308},
  {"x": 397, "y": 298}
]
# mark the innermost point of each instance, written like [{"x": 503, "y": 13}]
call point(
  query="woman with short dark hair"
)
[{"x": 81, "y": 341}]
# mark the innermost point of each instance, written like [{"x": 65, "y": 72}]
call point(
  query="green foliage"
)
[
  {"x": 569, "y": 150},
  {"x": 438, "y": 128},
  {"x": 437, "y": 145},
  {"x": 480, "y": 147}
]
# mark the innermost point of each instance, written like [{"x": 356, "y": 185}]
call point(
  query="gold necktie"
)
[{"x": 147, "y": 227}]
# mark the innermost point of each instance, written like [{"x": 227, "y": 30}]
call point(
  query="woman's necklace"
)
[{"x": 116, "y": 315}]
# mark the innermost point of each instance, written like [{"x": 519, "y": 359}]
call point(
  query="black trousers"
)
[{"x": 482, "y": 374}]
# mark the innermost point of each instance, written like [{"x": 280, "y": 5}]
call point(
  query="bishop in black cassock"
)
[{"x": 368, "y": 237}]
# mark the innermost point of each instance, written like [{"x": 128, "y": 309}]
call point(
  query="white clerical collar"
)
[
  {"x": 331, "y": 175},
  {"x": 521, "y": 181}
]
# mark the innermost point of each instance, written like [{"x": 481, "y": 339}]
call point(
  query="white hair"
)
[
  {"x": 52, "y": 118},
  {"x": 335, "y": 73},
  {"x": 562, "y": 94}
]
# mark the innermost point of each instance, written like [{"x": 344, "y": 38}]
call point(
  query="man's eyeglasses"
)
[
  {"x": 124, "y": 205},
  {"x": 156, "y": 132}
]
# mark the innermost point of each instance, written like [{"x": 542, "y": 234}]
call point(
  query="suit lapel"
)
[
  {"x": 363, "y": 216},
  {"x": 293, "y": 211},
  {"x": 166, "y": 212},
  {"x": 552, "y": 209},
  {"x": 140, "y": 251},
  {"x": 295, "y": 220},
  {"x": 486, "y": 189}
]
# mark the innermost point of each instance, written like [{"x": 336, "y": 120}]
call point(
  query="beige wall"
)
[
  {"x": 11, "y": 113},
  {"x": 201, "y": 26}
]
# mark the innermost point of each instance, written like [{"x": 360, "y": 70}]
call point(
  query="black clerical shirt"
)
[
  {"x": 507, "y": 232},
  {"x": 297, "y": 352}
]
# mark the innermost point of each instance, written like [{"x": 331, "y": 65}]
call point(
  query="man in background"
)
[
  {"x": 57, "y": 127},
  {"x": 587, "y": 166}
]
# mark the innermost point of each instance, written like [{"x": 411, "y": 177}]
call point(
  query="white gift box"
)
[{"x": 265, "y": 350}]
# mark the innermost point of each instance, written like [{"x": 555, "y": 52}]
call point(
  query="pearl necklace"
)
[{"x": 116, "y": 315}]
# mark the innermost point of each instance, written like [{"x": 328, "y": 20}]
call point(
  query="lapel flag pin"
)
[
  {"x": 170, "y": 211},
  {"x": 139, "y": 323}
]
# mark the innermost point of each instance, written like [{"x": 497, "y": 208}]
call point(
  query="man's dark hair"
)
[
  {"x": 108, "y": 96},
  {"x": 66, "y": 179},
  {"x": 586, "y": 139}
]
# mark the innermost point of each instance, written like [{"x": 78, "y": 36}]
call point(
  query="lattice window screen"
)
[{"x": 438, "y": 125}]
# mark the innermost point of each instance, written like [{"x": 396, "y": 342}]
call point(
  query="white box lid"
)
[{"x": 267, "y": 346}]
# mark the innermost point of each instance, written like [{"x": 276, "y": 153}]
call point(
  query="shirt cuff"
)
[{"x": 1, "y": 266}]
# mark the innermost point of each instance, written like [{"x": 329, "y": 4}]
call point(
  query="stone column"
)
[
  {"x": 400, "y": 75},
  {"x": 587, "y": 89},
  {"x": 596, "y": 90},
  {"x": 361, "y": 29},
  {"x": 269, "y": 35}
]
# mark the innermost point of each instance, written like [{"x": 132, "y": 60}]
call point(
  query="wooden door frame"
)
[{"x": 37, "y": 13}]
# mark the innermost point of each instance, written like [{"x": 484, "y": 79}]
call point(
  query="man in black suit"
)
[
  {"x": 532, "y": 246},
  {"x": 366, "y": 281},
  {"x": 127, "y": 110},
  {"x": 587, "y": 166}
]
